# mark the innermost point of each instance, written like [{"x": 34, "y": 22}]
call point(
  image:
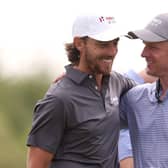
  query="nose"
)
[
  {"x": 112, "y": 50},
  {"x": 145, "y": 52}
]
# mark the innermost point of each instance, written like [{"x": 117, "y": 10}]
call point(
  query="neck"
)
[
  {"x": 99, "y": 80},
  {"x": 164, "y": 85}
]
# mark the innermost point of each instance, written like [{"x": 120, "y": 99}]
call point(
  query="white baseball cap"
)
[{"x": 102, "y": 28}]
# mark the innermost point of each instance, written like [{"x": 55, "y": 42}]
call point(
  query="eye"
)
[
  {"x": 153, "y": 47},
  {"x": 106, "y": 44},
  {"x": 102, "y": 44}
]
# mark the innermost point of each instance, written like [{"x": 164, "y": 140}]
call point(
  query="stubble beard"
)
[{"x": 97, "y": 68}]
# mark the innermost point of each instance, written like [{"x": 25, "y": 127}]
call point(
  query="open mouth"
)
[{"x": 107, "y": 60}]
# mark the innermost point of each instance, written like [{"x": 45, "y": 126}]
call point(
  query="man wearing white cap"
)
[
  {"x": 76, "y": 124},
  {"x": 145, "y": 107}
]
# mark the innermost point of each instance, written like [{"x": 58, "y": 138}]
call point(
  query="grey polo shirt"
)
[{"x": 78, "y": 123}]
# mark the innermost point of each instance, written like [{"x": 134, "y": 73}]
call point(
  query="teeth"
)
[
  {"x": 149, "y": 62},
  {"x": 107, "y": 60}
]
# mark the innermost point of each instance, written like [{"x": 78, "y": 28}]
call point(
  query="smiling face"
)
[
  {"x": 156, "y": 55},
  {"x": 96, "y": 56}
]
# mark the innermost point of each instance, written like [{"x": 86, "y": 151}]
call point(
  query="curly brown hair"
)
[{"x": 72, "y": 52}]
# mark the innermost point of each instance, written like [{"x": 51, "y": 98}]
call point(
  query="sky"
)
[{"x": 33, "y": 32}]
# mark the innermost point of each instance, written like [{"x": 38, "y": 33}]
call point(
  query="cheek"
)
[
  {"x": 116, "y": 51},
  {"x": 113, "y": 51},
  {"x": 96, "y": 51}
]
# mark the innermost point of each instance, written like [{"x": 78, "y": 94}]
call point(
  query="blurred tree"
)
[{"x": 18, "y": 97}]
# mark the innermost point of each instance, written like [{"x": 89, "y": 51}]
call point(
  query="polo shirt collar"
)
[
  {"x": 78, "y": 76},
  {"x": 154, "y": 90},
  {"x": 75, "y": 75}
]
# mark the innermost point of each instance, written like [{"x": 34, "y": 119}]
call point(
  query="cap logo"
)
[
  {"x": 155, "y": 22},
  {"x": 109, "y": 19},
  {"x": 101, "y": 19}
]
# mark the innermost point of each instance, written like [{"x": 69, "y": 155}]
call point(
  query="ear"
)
[{"x": 79, "y": 43}]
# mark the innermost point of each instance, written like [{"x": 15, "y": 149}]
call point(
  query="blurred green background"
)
[{"x": 18, "y": 97}]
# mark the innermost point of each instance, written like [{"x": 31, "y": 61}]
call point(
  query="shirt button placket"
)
[{"x": 96, "y": 87}]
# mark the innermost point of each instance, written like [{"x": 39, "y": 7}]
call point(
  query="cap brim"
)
[
  {"x": 110, "y": 34},
  {"x": 145, "y": 35}
]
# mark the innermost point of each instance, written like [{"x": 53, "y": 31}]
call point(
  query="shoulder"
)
[
  {"x": 121, "y": 78},
  {"x": 141, "y": 88},
  {"x": 120, "y": 82},
  {"x": 140, "y": 91},
  {"x": 116, "y": 75},
  {"x": 61, "y": 89}
]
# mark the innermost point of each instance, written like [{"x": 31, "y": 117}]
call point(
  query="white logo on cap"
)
[{"x": 156, "y": 22}]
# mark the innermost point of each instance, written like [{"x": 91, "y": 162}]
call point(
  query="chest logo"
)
[{"x": 114, "y": 101}]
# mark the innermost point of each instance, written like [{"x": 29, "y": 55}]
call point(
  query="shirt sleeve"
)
[
  {"x": 48, "y": 124},
  {"x": 124, "y": 109},
  {"x": 121, "y": 83},
  {"x": 124, "y": 145}
]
